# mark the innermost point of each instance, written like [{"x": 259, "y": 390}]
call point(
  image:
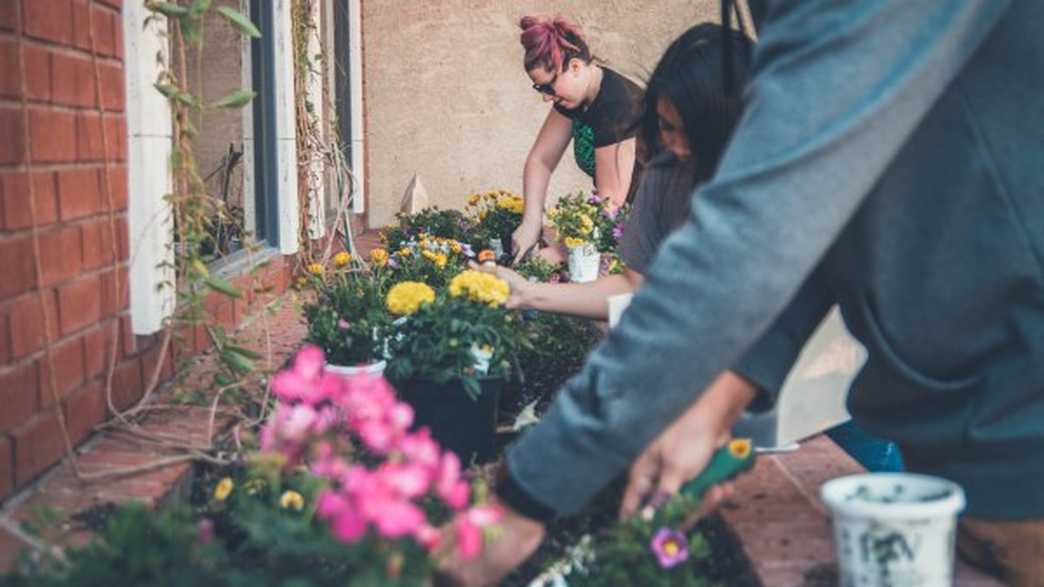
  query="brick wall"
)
[{"x": 75, "y": 217}]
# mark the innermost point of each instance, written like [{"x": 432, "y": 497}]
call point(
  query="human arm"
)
[{"x": 543, "y": 158}]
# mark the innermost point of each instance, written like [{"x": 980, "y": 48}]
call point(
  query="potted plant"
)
[
  {"x": 495, "y": 214},
  {"x": 427, "y": 259},
  {"x": 451, "y": 355},
  {"x": 448, "y": 224},
  {"x": 347, "y": 318},
  {"x": 588, "y": 227}
]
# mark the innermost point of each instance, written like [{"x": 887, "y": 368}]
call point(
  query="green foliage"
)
[
  {"x": 347, "y": 319},
  {"x": 539, "y": 269},
  {"x": 623, "y": 555},
  {"x": 450, "y": 224},
  {"x": 418, "y": 263},
  {"x": 437, "y": 341},
  {"x": 494, "y": 214}
]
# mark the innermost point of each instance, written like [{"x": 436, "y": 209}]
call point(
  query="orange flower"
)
[{"x": 487, "y": 255}]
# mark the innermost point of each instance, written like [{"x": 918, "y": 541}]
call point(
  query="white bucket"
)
[
  {"x": 894, "y": 529},
  {"x": 368, "y": 369},
  {"x": 584, "y": 263}
]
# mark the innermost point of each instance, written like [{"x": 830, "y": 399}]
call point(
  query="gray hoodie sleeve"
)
[{"x": 838, "y": 88}]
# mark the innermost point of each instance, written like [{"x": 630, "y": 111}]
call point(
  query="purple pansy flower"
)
[{"x": 670, "y": 546}]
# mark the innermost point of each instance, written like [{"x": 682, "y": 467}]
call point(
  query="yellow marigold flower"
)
[
  {"x": 480, "y": 287},
  {"x": 440, "y": 260},
  {"x": 473, "y": 199},
  {"x": 292, "y": 500},
  {"x": 456, "y": 247},
  {"x": 407, "y": 297},
  {"x": 301, "y": 282},
  {"x": 586, "y": 224},
  {"x": 405, "y": 252},
  {"x": 224, "y": 489},
  {"x": 379, "y": 257},
  {"x": 573, "y": 242},
  {"x": 483, "y": 214},
  {"x": 342, "y": 259},
  {"x": 315, "y": 269}
]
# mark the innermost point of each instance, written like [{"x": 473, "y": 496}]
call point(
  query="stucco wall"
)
[{"x": 446, "y": 96}]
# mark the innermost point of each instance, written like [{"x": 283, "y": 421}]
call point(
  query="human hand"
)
[
  {"x": 519, "y": 285},
  {"x": 524, "y": 238},
  {"x": 683, "y": 450},
  {"x": 516, "y": 538}
]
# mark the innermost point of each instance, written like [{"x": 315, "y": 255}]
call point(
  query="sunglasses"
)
[{"x": 547, "y": 88}]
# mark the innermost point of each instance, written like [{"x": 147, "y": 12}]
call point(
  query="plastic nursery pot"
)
[
  {"x": 584, "y": 263},
  {"x": 894, "y": 529},
  {"x": 376, "y": 368},
  {"x": 466, "y": 426}
]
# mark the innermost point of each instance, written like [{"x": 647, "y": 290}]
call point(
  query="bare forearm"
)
[{"x": 586, "y": 300}]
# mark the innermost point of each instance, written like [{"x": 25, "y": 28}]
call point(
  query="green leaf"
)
[
  {"x": 169, "y": 9},
  {"x": 200, "y": 6},
  {"x": 254, "y": 355},
  {"x": 185, "y": 98},
  {"x": 200, "y": 267},
  {"x": 236, "y": 361},
  {"x": 236, "y": 99},
  {"x": 240, "y": 21},
  {"x": 167, "y": 90},
  {"x": 220, "y": 285}
]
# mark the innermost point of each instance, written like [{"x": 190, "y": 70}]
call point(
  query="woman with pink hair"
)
[{"x": 592, "y": 105}]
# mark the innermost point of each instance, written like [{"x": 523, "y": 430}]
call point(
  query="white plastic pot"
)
[
  {"x": 584, "y": 262},
  {"x": 497, "y": 246},
  {"x": 894, "y": 529},
  {"x": 368, "y": 369}
]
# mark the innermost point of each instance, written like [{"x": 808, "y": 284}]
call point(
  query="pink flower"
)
[
  {"x": 469, "y": 538},
  {"x": 400, "y": 518},
  {"x": 377, "y": 435},
  {"x": 410, "y": 481},
  {"x": 429, "y": 537},
  {"x": 448, "y": 484},
  {"x": 309, "y": 362},
  {"x": 348, "y": 526},
  {"x": 420, "y": 448},
  {"x": 670, "y": 546},
  {"x": 295, "y": 422},
  {"x": 401, "y": 416},
  {"x": 343, "y": 324},
  {"x": 484, "y": 515}
]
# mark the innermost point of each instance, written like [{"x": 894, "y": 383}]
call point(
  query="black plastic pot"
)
[{"x": 466, "y": 426}]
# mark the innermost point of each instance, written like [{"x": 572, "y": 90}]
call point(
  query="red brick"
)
[
  {"x": 122, "y": 237},
  {"x": 116, "y": 137},
  {"x": 37, "y": 445},
  {"x": 60, "y": 254},
  {"x": 48, "y": 20},
  {"x": 126, "y": 383},
  {"x": 89, "y": 137},
  {"x": 11, "y": 81},
  {"x": 96, "y": 348},
  {"x": 104, "y": 31},
  {"x": 151, "y": 357},
  {"x": 12, "y": 148},
  {"x": 79, "y": 193},
  {"x": 54, "y": 135},
  {"x": 7, "y": 479},
  {"x": 84, "y": 410},
  {"x": 14, "y": 193},
  {"x": 38, "y": 72},
  {"x": 5, "y": 340},
  {"x": 26, "y": 323},
  {"x": 97, "y": 248},
  {"x": 115, "y": 300},
  {"x": 118, "y": 186},
  {"x": 73, "y": 80},
  {"x": 119, "y": 38},
  {"x": 17, "y": 394},
  {"x": 117, "y": 4},
  {"x": 128, "y": 340},
  {"x": 112, "y": 86},
  {"x": 8, "y": 15},
  {"x": 79, "y": 303},
  {"x": 67, "y": 359},
  {"x": 16, "y": 258},
  {"x": 81, "y": 24}
]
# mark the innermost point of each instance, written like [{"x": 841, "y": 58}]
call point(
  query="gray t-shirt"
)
[{"x": 660, "y": 206}]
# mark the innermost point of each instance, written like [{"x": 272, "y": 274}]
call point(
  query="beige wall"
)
[{"x": 446, "y": 96}]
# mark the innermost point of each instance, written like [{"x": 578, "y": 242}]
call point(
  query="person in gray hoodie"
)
[{"x": 890, "y": 161}]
